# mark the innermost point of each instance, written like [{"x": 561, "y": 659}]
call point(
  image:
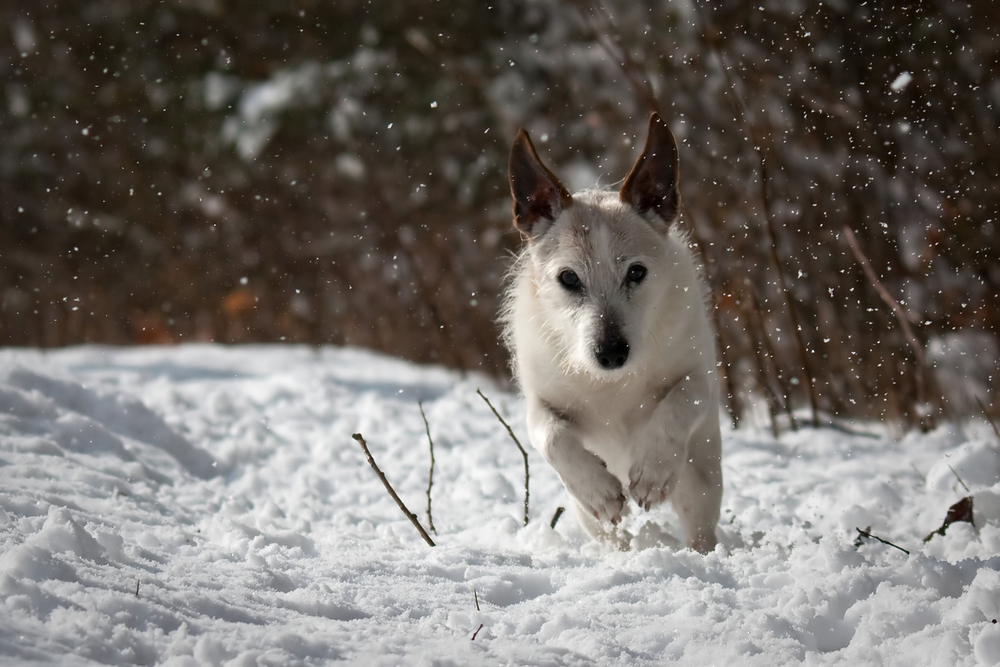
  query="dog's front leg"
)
[
  {"x": 662, "y": 443},
  {"x": 585, "y": 476}
]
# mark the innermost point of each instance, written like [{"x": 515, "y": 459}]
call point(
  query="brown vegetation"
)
[{"x": 334, "y": 173}]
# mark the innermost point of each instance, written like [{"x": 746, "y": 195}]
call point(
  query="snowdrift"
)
[{"x": 205, "y": 505}]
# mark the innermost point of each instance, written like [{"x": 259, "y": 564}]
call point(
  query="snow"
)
[
  {"x": 900, "y": 82},
  {"x": 206, "y": 505}
]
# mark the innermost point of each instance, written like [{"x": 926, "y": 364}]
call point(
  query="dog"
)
[{"x": 605, "y": 316}]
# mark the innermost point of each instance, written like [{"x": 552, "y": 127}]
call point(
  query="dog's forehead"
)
[{"x": 598, "y": 229}]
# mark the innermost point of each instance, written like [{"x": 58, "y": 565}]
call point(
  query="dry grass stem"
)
[
  {"x": 517, "y": 442},
  {"x": 430, "y": 473}
]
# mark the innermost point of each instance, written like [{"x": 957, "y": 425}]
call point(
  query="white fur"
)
[{"x": 650, "y": 429}]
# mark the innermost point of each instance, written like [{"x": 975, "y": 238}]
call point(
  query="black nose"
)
[{"x": 611, "y": 353}]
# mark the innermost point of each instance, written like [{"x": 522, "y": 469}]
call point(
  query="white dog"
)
[{"x": 606, "y": 318}]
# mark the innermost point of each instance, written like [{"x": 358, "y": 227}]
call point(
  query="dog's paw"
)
[
  {"x": 601, "y": 496},
  {"x": 651, "y": 482}
]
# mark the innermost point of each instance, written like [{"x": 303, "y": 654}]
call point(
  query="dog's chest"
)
[{"x": 608, "y": 419}]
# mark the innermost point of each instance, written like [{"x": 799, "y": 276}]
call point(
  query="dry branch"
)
[
  {"x": 755, "y": 328},
  {"x": 392, "y": 492},
  {"x": 959, "y": 478},
  {"x": 867, "y": 532},
  {"x": 477, "y": 632},
  {"x": 772, "y": 354},
  {"x": 517, "y": 442},
  {"x": 430, "y": 473},
  {"x": 711, "y": 37},
  {"x": 926, "y": 419},
  {"x": 555, "y": 517}
]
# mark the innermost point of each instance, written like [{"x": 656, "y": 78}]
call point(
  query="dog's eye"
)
[
  {"x": 569, "y": 280},
  {"x": 635, "y": 274}
]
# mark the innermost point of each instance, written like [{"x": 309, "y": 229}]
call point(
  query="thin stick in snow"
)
[
  {"x": 477, "y": 632},
  {"x": 392, "y": 492},
  {"x": 867, "y": 532},
  {"x": 137, "y": 587},
  {"x": 555, "y": 517},
  {"x": 475, "y": 596},
  {"x": 518, "y": 443},
  {"x": 955, "y": 472},
  {"x": 430, "y": 474}
]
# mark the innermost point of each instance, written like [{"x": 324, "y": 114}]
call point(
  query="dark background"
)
[{"x": 194, "y": 170}]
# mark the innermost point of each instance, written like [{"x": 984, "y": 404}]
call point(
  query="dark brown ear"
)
[
  {"x": 651, "y": 186},
  {"x": 539, "y": 197}
]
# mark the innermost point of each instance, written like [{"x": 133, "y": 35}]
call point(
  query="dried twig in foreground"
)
[
  {"x": 430, "y": 473},
  {"x": 867, "y": 533},
  {"x": 477, "y": 632},
  {"x": 516, "y": 442},
  {"x": 555, "y": 517},
  {"x": 392, "y": 492}
]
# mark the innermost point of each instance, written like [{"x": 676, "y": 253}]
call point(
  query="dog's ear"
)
[
  {"x": 539, "y": 197},
  {"x": 651, "y": 186}
]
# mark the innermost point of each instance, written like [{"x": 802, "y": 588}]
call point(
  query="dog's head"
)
[{"x": 600, "y": 261}]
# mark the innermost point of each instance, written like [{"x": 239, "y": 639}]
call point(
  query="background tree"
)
[{"x": 334, "y": 173}]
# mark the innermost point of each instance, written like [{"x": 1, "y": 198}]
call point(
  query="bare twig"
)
[
  {"x": 772, "y": 354},
  {"x": 555, "y": 517},
  {"x": 926, "y": 420},
  {"x": 867, "y": 533},
  {"x": 517, "y": 442},
  {"x": 753, "y": 325},
  {"x": 430, "y": 473},
  {"x": 990, "y": 419},
  {"x": 477, "y": 632},
  {"x": 958, "y": 477},
  {"x": 475, "y": 596},
  {"x": 137, "y": 587},
  {"x": 734, "y": 403},
  {"x": 711, "y": 36},
  {"x": 392, "y": 492}
]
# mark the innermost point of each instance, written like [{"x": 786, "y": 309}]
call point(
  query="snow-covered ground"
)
[{"x": 206, "y": 505}]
